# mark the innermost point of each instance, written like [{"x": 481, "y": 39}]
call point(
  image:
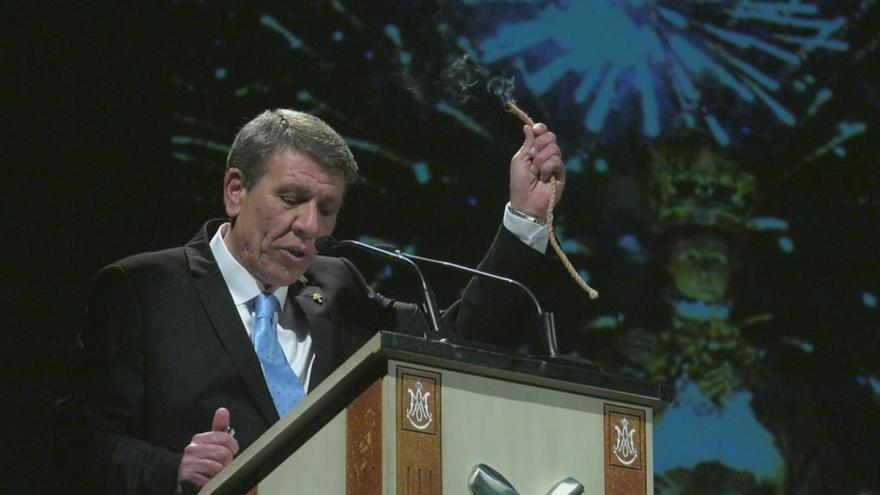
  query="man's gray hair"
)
[{"x": 279, "y": 129}]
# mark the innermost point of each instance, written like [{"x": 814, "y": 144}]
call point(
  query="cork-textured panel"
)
[
  {"x": 363, "y": 455},
  {"x": 419, "y": 454},
  {"x": 625, "y": 455}
]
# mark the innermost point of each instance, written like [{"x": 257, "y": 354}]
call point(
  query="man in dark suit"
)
[{"x": 186, "y": 344}]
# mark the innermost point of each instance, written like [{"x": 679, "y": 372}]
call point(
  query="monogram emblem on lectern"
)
[
  {"x": 418, "y": 413},
  {"x": 624, "y": 444}
]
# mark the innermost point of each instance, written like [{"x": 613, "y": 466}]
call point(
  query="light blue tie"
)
[{"x": 284, "y": 385}]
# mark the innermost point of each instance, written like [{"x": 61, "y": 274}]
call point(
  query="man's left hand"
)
[{"x": 531, "y": 168}]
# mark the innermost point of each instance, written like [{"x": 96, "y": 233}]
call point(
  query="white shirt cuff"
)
[{"x": 531, "y": 233}]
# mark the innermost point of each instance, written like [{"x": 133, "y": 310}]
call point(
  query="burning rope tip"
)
[{"x": 512, "y": 107}]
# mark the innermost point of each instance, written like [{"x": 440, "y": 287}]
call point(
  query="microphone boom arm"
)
[
  {"x": 430, "y": 306},
  {"x": 548, "y": 323},
  {"x": 475, "y": 272}
]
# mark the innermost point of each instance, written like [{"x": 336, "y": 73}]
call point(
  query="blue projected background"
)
[{"x": 722, "y": 195}]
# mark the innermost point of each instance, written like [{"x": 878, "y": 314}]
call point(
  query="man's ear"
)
[{"x": 233, "y": 191}]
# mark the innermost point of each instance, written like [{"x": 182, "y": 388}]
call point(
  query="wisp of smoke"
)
[
  {"x": 460, "y": 76},
  {"x": 502, "y": 87}
]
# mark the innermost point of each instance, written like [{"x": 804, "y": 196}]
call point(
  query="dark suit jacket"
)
[{"x": 165, "y": 347}]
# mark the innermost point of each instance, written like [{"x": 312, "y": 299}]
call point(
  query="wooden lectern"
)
[{"x": 410, "y": 416}]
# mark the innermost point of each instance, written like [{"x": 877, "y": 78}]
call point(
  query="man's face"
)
[{"x": 277, "y": 220}]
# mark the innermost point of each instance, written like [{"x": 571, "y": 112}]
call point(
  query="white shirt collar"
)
[{"x": 242, "y": 285}]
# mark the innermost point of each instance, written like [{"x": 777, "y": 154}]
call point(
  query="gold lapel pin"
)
[{"x": 318, "y": 297}]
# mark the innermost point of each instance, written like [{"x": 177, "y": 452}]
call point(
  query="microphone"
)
[
  {"x": 547, "y": 320},
  {"x": 430, "y": 302}
]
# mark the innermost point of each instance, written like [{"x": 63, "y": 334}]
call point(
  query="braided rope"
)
[{"x": 511, "y": 107}]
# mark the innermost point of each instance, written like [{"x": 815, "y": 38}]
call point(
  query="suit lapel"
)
[
  {"x": 313, "y": 309},
  {"x": 220, "y": 309}
]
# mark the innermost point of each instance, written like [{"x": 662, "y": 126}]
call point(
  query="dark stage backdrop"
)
[{"x": 722, "y": 192}]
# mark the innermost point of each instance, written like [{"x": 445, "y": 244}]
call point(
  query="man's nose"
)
[{"x": 305, "y": 225}]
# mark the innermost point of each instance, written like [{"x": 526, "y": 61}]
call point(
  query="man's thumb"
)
[
  {"x": 221, "y": 419},
  {"x": 530, "y": 137}
]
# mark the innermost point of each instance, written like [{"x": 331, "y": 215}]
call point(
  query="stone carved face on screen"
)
[{"x": 700, "y": 267}]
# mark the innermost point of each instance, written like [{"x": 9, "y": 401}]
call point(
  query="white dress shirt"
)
[
  {"x": 534, "y": 235},
  {"x": 296, "y": 343}
]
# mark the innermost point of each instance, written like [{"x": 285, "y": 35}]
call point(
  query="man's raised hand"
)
[{"x": 531, "y": 168}]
